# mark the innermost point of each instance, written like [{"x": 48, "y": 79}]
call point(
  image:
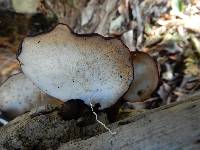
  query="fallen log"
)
[{"x": 176, "y": 126}]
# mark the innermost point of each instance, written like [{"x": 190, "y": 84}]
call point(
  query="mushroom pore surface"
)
[{"x": 70, "y": 66}]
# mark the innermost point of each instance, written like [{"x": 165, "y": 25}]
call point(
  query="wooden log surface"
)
[{"x": 172, "y": 127}]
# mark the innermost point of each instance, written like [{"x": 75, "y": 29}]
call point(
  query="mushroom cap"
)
[
  {"x": 146, "y": 77},
  {"x": 18, "y": 95},
  {"x": 71, "y": 66}
]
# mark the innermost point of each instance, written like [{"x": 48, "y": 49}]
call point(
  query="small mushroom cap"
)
[
  {"x": 146, "y": 77},
  {"x": 18, "y": 95},
  {"x": 70, "y": 66}
]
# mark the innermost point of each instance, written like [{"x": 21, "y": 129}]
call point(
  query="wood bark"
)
[{"x": 176, "y": 126}]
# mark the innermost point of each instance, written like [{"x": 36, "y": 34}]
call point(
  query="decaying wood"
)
[
  {"x": 43, "y": 128},
  {"x": 175, "y": 126}
]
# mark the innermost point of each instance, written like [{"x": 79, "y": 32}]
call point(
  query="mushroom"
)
[
  {"x": 146, "y": 77},
  {"x": 66, "y": 65},
  {"x": 19, "y": 95}
]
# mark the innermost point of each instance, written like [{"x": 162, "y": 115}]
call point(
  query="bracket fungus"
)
[
  {"x": 18, "y": 95},
  {"x": 66, "y": 65},
  {"x": 146, "y": 77},
  {"x": 89, "y": 67}
]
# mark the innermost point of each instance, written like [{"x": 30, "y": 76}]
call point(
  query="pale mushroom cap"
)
[
  {"x": 69, "y": 66},
  {"x": 18, "y": 95},
  {"x": 146, "y": 77}
]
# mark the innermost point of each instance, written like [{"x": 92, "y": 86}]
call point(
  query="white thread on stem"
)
[{"x": 113, "y": 133}]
